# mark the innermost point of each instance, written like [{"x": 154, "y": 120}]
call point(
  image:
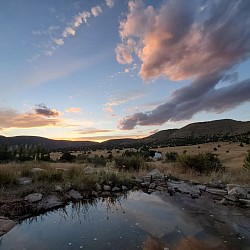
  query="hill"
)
[{"x": 200, "y": 132}]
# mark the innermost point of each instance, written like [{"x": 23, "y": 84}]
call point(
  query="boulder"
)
[
  {"x": 49, "y": 202},
  {"x": 231, "y": 186},
  {"x": 98, "y": 187},
  {"x": 6, "y": 225},
  {"x": 155, "y": 173},
  {"x": 105, "y": 194},
  {"x": 94, "y": 193},
  {"x": 24, "y": 180},
  {"x": 217, "y": 184},
  {"x": 35, "y": 170},
  {"x": 145, "y": 184},
  {"x": 116, "y": 189},
  {"x": 106, "y": 188},
  {"x": 124, "y": 188},
  {"x": 31, "y": 198},
  {"x": 245, "y": 202},
  {"x": 238, "y": 192},
  {"x": 231, "y": 198},
  {"x": 75, "y": 194},
  {"x": 58, "y": 188},
  {"x": 216, "y": 191},
  {"x": 152, "y": 185}
]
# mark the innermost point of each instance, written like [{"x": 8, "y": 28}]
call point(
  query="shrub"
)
[
  {"x": 171, "y": 156},
  {"x": 7, "y": 178},
  {"x": 67, "y": 157},
  {"x": 215, "y": 149},
  {"x": 130, "y": 163},
  {"x": 246, "y": 164},
  {"x": 49, "y": 175},
  {"x": 202, "y": 163}
]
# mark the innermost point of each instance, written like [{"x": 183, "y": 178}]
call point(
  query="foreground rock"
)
[
  {"x": 49, "y": 202},
  {"x": 31, "y": 198},
  {"x": 24, "y": 181},
  {"x": 75, "y": 194},
  {"x": 6, "y": 225}
]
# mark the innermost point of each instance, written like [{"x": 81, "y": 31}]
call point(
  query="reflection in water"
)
[{"x": 136, "y": 221}]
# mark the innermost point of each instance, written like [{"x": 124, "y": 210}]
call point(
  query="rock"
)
[
  {"x": 116, "y": 189},
  {"x": 98, "y": 187},
  {"x": 24, "y": 180},
  {"x": 68, "y": 185},
  {"x": 139, "y": 180},
  {"x": 36, "y": 170},
  {"x": 238, "y": 192},
  {"x": 49, "y": 202},
  {"x": 248, "y": 196},
  {"x": 217, "y": 184},
  {"x": 105, "y": 194},
  {"x": 183, "y": 187},
  {"x": 151, "y": 191},
  {"x": 124, "y": 188},
  {"x": 58, "y": 188},
  {"x": 224, "y": 202},
  {"x": 106, "y": 188},
  {"x": 231, "y": 198},
  {"x": 152, "y": 186},
  {"x": 33, "y": 197},
  {"x": 216, "y": 191},
  {"x": 194, "y": 195},
  {"x": 245, "y": 202},
  {"x": 6, "y": 225},
  {"x": 231, "y": 186},
  {"x": 155, "y": 173},
  {"x": 201, "y": 187},
  {"x": 145, "y": 184},
  {"x": 75, "y": 195},
  {"x": 94, "y": 193}
]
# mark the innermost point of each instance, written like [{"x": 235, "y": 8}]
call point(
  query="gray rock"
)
[
  {"x": 33, "y": 197},
  {"x": 155, "y": 173},
  {"x": 185, "y": 188},
  {"x": 195, "y": 195},
  {"x": 124, "y": 188},
  {"x": 58, "y": 188},
  {"x": 145, "y": 184},
  {"x": 75, "y": 194},
  {"x": 24, "y": 180},
  {"x": 202, "y": 187},
  {"x": 231, "y": 186},
  {"x": 151, "y": 191},
  {"x": 238, "y": 192},
  {"x": 106, "y": 194},
  {"x": 6, "y": 225},
  {"x": 231, "y": 198},
  {"x": 106, "y": 188},
  {"x": 98, "y": 187},
  {"x": 94, "y": 193},
  {"x": 245, "y": 201},
  {"x": 248, "y": 196},
  {"x": 51, "y": 201},
  {"x": 152, "y": 186},
  {"x": 116, "y": 189},
  {"x": 35, "y": 170},
  {"x": 216, "y": 191},
  {"x": 224, "y": 202},
  {"x": 217, "y": 184}
]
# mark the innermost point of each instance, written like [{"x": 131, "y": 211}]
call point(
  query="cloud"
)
[
  {"x": 109, "y": 3},
  {"x": 188, "y": 40},
  {"x": 59, "y": 41},
  {"x": 10, "y": 118},
  {"x": 73, "y": 110},
  {"x": 92, "y": 131},
  {"x": 82, "y": 17},
  {"x": 45, "y": 111},
  {"x": 108, "y": 137},
  {"x": 96, "y": 11},
  {"x": 69, "y": 31}
]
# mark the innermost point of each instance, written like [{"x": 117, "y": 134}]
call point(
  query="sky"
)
[{"x": 104, "y": 69}]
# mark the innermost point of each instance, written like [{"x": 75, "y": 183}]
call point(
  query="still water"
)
[{"x": 135, "y": 221}]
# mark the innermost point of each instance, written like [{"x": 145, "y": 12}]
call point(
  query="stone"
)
[
  {"x": 24, "y": 180},
  {"x": 151, "y": 191},
  {"x": 194, "y": 195},
  {"x": 36, "y": 170},
  {"x": 155, "y": 173},
  {"x": 152, "y": 186},
  {"x": 216, "y": 191},
  {"x": 231, "y": 186},
  {"x": 50, "y": 201},
  {"x": 105, "y": 194},
  {"x": 94, "y": 193},
  {"x": 217, "y": 184},
  {"x": 238, "y": 192},
  {"x": 201, "y": 187},
  {"x": 116, "y": 189},
  {"x": 245, "y": 202},
  {"x": 185, "y": 188},
  {"x": 33, "y": 197},
  {"x": 145, "y": 184},
  {"x": 224, "y": 202},
  {"x": 106, "y": 188},
  {"x": 6, "y": 225},
  {"x": 124, "y": 188},
  {"x": 231, "y": 198},
  {"x": 98, "y": 187},
  {"x": 75, "y": 194},
  {"x": 58, "y": 188}
]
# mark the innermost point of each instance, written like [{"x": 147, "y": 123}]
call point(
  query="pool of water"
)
[{"x": 135, "y": 221}]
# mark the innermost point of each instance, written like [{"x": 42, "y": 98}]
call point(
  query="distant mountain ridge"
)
[{"x": 226, "y": 128}]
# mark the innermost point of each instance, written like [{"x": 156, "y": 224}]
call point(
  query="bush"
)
[
  {"x": 202, "y": 163},
  {"x": 130, "y": 163},
  {"x": 246, "y": 164},
  {"x": 67, "y": 157},
  {"x": 171, "y": 156},
  {"x": 7, "y": 178},
  {"x": 49, "y": 175}
]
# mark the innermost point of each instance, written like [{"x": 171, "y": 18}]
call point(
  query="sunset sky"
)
[{"x": 97, "y": 70}]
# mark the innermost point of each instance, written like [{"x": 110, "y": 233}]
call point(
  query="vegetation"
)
[
  {"x": 202, "y": 163},
  {"x": 246, "y": 164},
  {"x": 171, "y": 156},
  {"x": 134, "y": 162}
]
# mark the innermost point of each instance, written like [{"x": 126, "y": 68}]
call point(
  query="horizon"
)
[{"x": 109, "y": 69}]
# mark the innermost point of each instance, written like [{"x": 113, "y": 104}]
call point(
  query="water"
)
[{"x": 138, "y": 221}]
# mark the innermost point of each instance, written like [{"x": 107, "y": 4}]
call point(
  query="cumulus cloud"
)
[
  {"x": 10, "y": 118},
  {"x": 43, "y": 110},
  {"x": 73, "y": 110},
  {"x": 109, "y": 3},
  {"x": 96, "y": 11},
  {"x": 188, "y": 40}
]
